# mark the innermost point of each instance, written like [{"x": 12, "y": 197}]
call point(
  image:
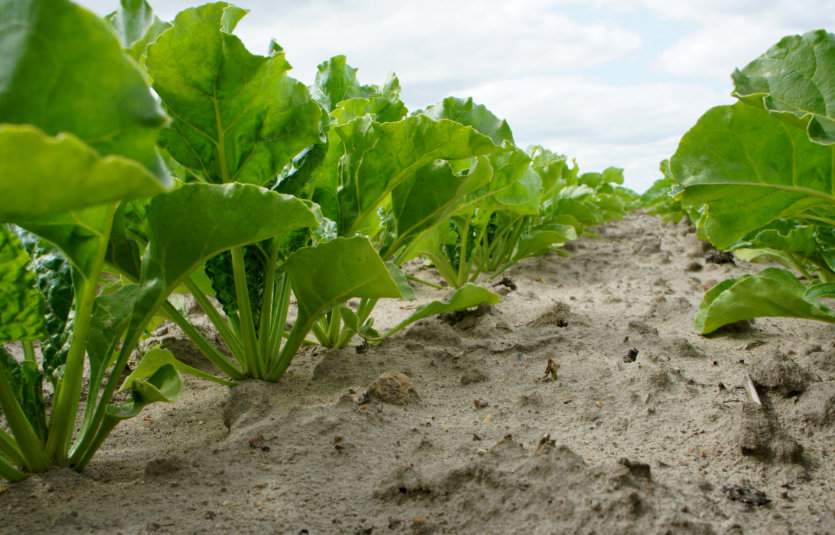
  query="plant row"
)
[
  {"x": 140, "y": 159},
  {"x": 758, "y": 178}
]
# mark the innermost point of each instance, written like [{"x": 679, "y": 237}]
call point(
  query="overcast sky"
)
[{"x": 610, "y": 82}]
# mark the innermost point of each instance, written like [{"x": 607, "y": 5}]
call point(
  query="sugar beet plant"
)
[
  {"x": 166, "y": 158},
  {"x": 758, "y": 178}
]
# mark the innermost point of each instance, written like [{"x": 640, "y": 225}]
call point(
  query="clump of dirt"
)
[
  {"x": 451, "y": 429},
  {"x": 393, "y": 387}
]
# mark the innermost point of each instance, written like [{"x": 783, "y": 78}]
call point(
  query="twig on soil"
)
[{"x": 551, "y": 370}]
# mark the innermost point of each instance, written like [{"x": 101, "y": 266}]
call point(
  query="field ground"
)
[{"x": 642, "y": 431}]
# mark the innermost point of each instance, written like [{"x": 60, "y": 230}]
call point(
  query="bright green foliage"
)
[
  {"x": 760, "y": 174},
  {"x": 795, "y": 79},
  {"x": 340, "y": 93},
  {"x": 71, "y": 148},
  {"x": 475, "y": 115},
  {"x": 236, "y": 116},
  {"x": 374, "y": 158}
]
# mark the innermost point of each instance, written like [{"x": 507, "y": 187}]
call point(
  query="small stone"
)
[{"x": 694, "y": 267}]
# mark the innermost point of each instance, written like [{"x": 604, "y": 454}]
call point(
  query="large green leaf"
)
[
  {"x": 64, "y": 71},
  {"x": 749, "y": 168},
  {"x": 467, "y": 296},
  {"x": 47, "y": 175},
  {"x": 331, "y": 273},
  {"x": 197, "y": 221},
  {"x": 377, "y": 157},
  {"x": 236, "y": 116},
  {"x": 21, "y": 304},
  {"x": 771, "y": 293},
  {"x": 795, "y": 78}
]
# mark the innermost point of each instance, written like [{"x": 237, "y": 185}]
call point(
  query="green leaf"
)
[
  {"x": 236, "y": 116},
  {"x": 469, "y": 113},
  {"x": 196, "y": 222},
  {"x": 155, "y": 358},
  {"x": 796, "y": 79},
  {"x": 771, "y": 293},
  {"x": 333, "y": 272},
  {"x": 64, "y": 72},
  {"x": 137, "y": 26},
  {"x": 21, "y": 304},
  {"x": 467, "y": 296},
  {"x": 372, "y": 159},
  {"x": 163, "y": 385},
  {"x": 542, "y": 239},
  {"x": 432, "y": 195},
  {"x": 741, "y": 156},
  {"x": 48, "y": 175},
  {"x": 337, "y": 81}
]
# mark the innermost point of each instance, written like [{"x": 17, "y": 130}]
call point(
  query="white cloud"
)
[
  {"x": 633, "y": 127},
  {"x": 436, "y": 41}
]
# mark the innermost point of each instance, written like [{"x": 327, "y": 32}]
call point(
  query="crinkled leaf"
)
[
  {"x": 333, "y": 272},
  {"x": 468, "y": 296},
  {"x": 795, "y": 78},
  {"x": 236, "y": 116},
  {"x": 771, "y": 293},
  {"x": 749, "y": 168},
  {"x": 21, "y": 304},
  {"x": 53, "y": 277}
]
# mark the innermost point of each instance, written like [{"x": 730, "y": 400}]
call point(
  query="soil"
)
[{"x": 583, "y": 403}]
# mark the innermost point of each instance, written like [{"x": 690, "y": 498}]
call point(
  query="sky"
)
[{"x": 608, "y": 82}]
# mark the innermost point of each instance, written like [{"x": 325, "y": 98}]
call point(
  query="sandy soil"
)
[{"x": 450, "y": 428}]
